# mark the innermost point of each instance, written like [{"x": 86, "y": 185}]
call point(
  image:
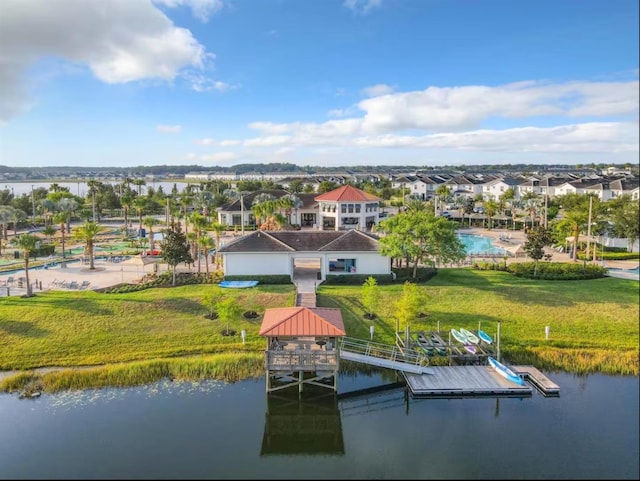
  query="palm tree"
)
[
  {"x": 490, "y": 209},
  {"x": 289, "y": 202},
  {"x": 186, "y": 198},
  {"x": 27, "y": 242},
  {"x": 8, "y": 214},
  {"x": 69, "y": 206},
  {"x": 61, "y": 218},
  {"x": 217, "y": 229},
  {"x": 140, "y": 204},
  {"x": 149, "y": 222},
  {"x": 126, "y": 201},
  {"x": 94, "y": 188},
  {"x": 88, "y": 233},
  {"x": 139, "y": 183},
  {"x": 199, "y": 223},
  {"x": 206, "y": 243}
]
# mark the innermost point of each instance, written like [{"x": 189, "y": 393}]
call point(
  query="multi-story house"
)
[{"x": 347, "y": 208}]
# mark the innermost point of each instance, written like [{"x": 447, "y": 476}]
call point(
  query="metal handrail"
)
[{"x": 380, "y": 351}]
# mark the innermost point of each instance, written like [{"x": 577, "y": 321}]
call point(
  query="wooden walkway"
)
[{"x": 454, "y": 381}]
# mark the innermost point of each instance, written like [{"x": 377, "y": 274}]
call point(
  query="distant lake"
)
[
  {"x": 215, "y": 430},
  {"x": 80, "y": 188}
]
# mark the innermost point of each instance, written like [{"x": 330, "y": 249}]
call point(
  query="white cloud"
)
[
  {"x": 202, "y": 83},
  {"x": 378, "y": 90},
  {"x": 460, "y": 108},
  {"x": 218, "y": 143},
  {"x": 219, "y": 157},
  {"x": 119, "y": 40},
  {"x": 169, "y": 129},
  {"x": 362, "y": 7},
  {"x": 589, "y": 137},
  {"x": 201, "y": 9}
]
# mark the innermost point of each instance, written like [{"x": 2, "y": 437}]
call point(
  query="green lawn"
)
[
  {"x": 59, "y": 328},
  {"x": 593, "y": 324}
]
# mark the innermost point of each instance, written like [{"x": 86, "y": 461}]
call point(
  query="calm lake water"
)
[
  {"x": 213, "y": 430},
  {"x": 81, "y": 189}
]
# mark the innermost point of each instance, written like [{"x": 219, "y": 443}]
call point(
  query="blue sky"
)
[{"x": 318, "y": 82}]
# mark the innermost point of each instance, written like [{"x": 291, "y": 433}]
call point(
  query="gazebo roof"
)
[{"x": 302, "y": 321}]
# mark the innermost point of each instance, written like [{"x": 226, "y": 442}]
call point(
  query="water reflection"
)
[{"x": 309, "y": 425}]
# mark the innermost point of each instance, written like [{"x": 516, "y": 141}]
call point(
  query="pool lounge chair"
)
[{"x": 85, "y": 285}]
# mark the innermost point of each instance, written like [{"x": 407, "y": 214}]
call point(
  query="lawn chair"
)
[
  {"x": 73, "y": 285},
  {"x": 10, "y": 281},
  {"x": 85, "y": 285}
]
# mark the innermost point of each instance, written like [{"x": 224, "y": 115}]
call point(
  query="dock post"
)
[
  {"x": 438, "y": 327},
  {"x": 300, "y": 381},
  {"x": 498, "y": 342}
]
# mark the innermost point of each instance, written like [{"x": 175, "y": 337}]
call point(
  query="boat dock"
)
[
  {"x": 453, "y": 381},
  {"x": 470, "y": 381},
  {"x": 538, "y": 379}
]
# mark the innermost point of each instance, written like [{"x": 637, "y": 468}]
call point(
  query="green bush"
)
[
  {"x": 399, "y": 276},
  {"x": 356, "y": 279},
  {"x": 611, "y": 256},
  {"x": 556, "y": 271},
  {"x": 166, "y": 280},
  {"x": 44, "y": 251}
]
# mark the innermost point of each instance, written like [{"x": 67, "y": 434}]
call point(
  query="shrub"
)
[{"x": 557, "y": 271}]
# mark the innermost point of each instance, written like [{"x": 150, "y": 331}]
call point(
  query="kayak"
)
[
  {"x": 471, "y": 337},
  {"x": 459, "y": 336},
  {"x": 484, "y": 337},
  {"x": 505, "y": 372}
]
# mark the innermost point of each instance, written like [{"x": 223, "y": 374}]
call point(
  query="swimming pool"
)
[
  {"x": 629, "y": 272},
  {"x": 477, "y": 244}
]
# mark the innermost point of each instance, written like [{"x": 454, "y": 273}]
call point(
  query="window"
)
[
  {"x": 343, "y": 208},
  {"x": 350, "y": 208},
  {"x": 358, "y": 207},
  {"x": 342, "y": 266}
]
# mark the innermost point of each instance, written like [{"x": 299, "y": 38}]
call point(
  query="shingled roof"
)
[
  {"x": 302, "y": 321},
  {"x": 303, "y": 241}
]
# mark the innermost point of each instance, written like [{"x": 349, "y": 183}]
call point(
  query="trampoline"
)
[{"x": 238, "y": 284}]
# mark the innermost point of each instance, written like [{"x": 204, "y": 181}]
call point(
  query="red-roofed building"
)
[
  {"x": 301, "y": 346},
  {"x": 347, "y": 208}
]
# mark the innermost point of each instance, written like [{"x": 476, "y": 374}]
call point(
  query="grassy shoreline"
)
[{"x": 143, "y": 336}]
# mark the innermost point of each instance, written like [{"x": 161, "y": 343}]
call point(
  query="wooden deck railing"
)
[{"x": 301, "y": 360}]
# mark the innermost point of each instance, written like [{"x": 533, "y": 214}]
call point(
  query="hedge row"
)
[
  {"x": 166, "y": 280},
  {"x": 611, "y": 256},
  {"x": 399, "y": 276},
  {"x": 556, "y": 271}
]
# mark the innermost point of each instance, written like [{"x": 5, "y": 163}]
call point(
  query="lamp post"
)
[
  {"x": 242, "y": 213},
  {"x": 33, "y": 206}
]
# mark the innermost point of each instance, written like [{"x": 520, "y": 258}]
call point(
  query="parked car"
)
[{"x": 478, "y": 210}]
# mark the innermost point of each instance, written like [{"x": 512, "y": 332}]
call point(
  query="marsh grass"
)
[{"x": 228, "y": 367}]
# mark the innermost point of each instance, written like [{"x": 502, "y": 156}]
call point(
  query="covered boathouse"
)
[{"x": 301, "y": 346}]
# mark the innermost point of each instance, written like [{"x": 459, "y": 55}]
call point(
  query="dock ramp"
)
[{"x": 383, "y": 355}]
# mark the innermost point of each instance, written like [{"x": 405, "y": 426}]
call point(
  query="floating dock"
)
[
  {"x": 539, "y": 380},
  {"x": 459, "y": 381}
]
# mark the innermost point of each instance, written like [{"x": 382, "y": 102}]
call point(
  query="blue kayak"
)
[
  {"x": 484, "y": 337},
  {"x": 505, "y": 372}
]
